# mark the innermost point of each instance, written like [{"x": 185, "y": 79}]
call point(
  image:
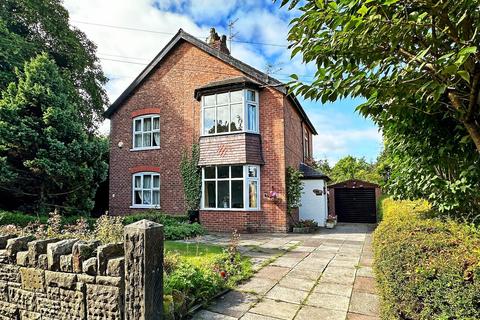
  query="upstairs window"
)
[
  {"x": 306, "y": 144},
  {"x": 146, "y": 132},
  {"x": 226, "y": 112}
]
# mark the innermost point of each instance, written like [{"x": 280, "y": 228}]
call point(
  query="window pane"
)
[
  {"x": 222, "y": 98},
  {"x": 223, "y": 194},
  {"x": 156, "y": 182},
  {"x": 223, "y": 118},
  {"x": 222, "y": 172},
  {"x": 237, "y": 171},
  {"x": 209, "y": 172},
  {"x": 138, "y": 140},
  {"x": 147, "y": 197},
  {"x": 138, "y": 181},
  {"x": 237, "y": 194},
  {"x": 209, "y": 190},
  {"x": 252, "y": 194},
  {"x": 138, "y": 197},
  {"x": 237, "y": 117},
  {"x": 250, "y": 95},
  {"x": 147, "y": 139},
  {"x": 252, "y": 117},
  {"x": 156, "y": 123},
  {"x": 236, "y": 96},
  {"x": 147, "y": 124},
  {"x": 209, "y": 121},
  {"x": 138, "y": 125},
  {"x": 156, "y": 139},
  {"x": 252, "y": 171},
  {"x": 156, "y": 198},
  {"x": 209, "y": 100},
  {"x": 147, "y": 181}
]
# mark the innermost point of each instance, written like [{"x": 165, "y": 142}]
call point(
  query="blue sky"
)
[{"x": 124, "y": 53}]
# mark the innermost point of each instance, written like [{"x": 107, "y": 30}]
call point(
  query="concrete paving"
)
[{"x": 325, "y": 275}]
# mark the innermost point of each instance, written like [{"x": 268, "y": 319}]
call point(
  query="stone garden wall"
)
[{"x": 76, "y": 280}]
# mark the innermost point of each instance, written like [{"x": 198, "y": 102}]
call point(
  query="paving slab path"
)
[{"x": 326, "y": 275}]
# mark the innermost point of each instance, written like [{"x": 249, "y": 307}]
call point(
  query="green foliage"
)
[
  {"x": 426, "y": 268},
  {"x": 351, "y": 167},
  {"x": 294, "y": 189},
  {"x": 417, "y": 64},
  {"x": 29, "y": 27},
  {"x": 175, "y": 227},
  {"x": 323, "y": 166},
  {"x": 192, "y": 177},
  {"x": 109, "y": 229},
  {"x": 21, "y": 219},
  {"x": 48, "y": 157}
]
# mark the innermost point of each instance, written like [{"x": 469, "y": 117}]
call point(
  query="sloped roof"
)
[
  {"x": 311, "y": 173},
  {"x": 253, "y": 73}
]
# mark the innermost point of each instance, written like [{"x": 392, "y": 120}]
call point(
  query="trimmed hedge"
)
[
  {"x": 426, "y": 268},
  {"x": 21, "y": 219}
]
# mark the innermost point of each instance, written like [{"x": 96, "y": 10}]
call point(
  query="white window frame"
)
[
  {"x": 142, "y": 174},
  {"x": 142, "y": 118},
  {"x": 246, "y": 181},
  {"x": 244, "y": 103},
  {"x": 306, "y": 144}
]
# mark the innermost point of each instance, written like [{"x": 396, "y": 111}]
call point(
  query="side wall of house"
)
[{"x": 294, "y": 142}]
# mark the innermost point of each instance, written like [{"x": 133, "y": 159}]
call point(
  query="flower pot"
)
[
  {"x": 302, "y": 229},
  {"x": 330, "y": 224},
  {"x": 194, "y": 216}
]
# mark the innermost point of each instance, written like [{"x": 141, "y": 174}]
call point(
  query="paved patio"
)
[{"x": 326, "y": 275}]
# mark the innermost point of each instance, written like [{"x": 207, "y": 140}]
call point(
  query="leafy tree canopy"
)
[
  {"x": 350, "y": 167},
  {"x": 418, "y": 64},
  {"x": 29, "y": 28},
  {"x": 46, "y": 156},
  {"x": 401, "y": 55}
]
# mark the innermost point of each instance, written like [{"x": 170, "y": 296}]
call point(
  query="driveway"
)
[{"x": 326, "y": 275}]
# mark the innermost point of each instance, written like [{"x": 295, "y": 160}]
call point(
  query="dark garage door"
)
[{"x": 355, "y": 205}]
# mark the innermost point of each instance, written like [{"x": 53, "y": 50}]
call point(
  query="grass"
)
[{"x": 198, "y": 254}]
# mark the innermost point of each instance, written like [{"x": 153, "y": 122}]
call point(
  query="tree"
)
[
  {"x": 323, "y": 166},
  {"x": 46, "y": 157},
  {"x": 418, "y": 64},
  {"x": 30, "y": 27},
  {"x": 350, "y": 167},
  {"x": 401, "y": 55}
]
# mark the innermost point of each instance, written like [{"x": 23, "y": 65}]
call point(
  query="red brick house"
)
[{"x": 247, "y": 125}]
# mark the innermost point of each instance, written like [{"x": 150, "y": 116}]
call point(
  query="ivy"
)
[
  {"x": 294, "y": 189},
  {"x": 192, "y": 178}
]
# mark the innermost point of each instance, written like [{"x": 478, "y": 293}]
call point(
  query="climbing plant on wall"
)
[
  {"x": 192, "y": 178},
  {"x": 294, "y": 189}
]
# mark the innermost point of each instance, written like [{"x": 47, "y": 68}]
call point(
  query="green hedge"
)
[
  {"x": 22, "y": 219},
  {"x": 426, "y": 268}
]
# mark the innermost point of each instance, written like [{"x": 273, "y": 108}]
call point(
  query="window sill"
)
[
  {"x": 144, "y": 149},
  {"x": 230, "y": 209},
  {"x": 228, "y": 133},
  {"x": 144, "y": 207}
]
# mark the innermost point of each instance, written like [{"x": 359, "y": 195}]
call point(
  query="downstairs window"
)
[
  {"x": 146, "y": 190},
  {"x": 231, "y": 187}
]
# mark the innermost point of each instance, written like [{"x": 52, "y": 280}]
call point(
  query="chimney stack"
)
[{"x": 216, "y": 42}]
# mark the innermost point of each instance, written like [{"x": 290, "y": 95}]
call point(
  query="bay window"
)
[
  {"x": 230, "y": 112},
  {"x": 146, "y": 132},
  {"x": 146, "y": 190},
  {"x": 231, "y": 187}
]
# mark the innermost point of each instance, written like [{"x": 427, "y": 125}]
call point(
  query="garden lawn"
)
[{"x": 198, "y": 254}]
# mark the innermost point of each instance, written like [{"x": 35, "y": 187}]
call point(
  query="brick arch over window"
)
[
  {"x": 138, "y": 169},
  {"x": 144, "y": 112}
]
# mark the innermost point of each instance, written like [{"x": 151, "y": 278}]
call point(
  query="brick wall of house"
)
[
  {"x": 170, "y": 88},
  {"x": 294, "y": 133}
]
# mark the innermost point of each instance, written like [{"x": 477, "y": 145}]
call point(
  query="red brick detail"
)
[
  {"x": 137, "y": 169},
  {"x": 143, "y": 112}
]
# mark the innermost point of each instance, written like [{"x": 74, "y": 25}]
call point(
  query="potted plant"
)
[
  {"x": 305, "y": 226},
  {"x": 192, "y": 182},
  {"x": 331, "y": 222}
]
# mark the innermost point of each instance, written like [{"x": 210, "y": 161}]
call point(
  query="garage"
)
[{"x": 354, "y": 201}]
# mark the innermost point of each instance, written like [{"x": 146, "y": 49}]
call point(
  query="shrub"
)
[
  {"x": 109, "y": 229},
  {"x": 19, "y": 219},
  {"x": 426, "y": 268},
  {"x": 174, "y": 227}
]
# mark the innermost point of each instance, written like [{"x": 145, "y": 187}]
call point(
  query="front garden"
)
[
  {"x": 194, "y": 272},
  {"x": 426, "y": 268}
]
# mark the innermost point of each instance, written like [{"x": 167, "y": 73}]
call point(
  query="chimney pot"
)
[{"x": 217, "y": 42}]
